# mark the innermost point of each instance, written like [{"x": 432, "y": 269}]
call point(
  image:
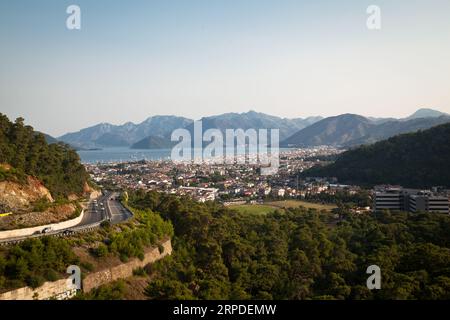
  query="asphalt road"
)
[
  {"x": 92, "y": 214},
  {"x": 116, "y": 211},
  {"x": 105, "y": 208}
]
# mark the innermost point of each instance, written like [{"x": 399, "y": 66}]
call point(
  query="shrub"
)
[
  {"x": 35, "y": 281},
  {"x": 41, "y": 205},
  {"x": 35, "y": 260},
  {"x": 101, "y": 251},
  {"x": 139, "y": 272},
  {"x": 105, "y": 224},
  {"x": 51, "y": 275},
  {"x": 132, "y": 241},
  {"x": 87, "y": 266}
]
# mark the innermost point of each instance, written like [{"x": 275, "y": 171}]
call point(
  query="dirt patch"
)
[
  {"x": 98, "y": 264},
  {"x": 135, "y": 288}
]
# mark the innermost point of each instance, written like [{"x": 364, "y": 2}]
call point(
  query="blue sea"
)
[{"x": 124, "y": 154}]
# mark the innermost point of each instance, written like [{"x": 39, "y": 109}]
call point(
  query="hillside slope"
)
[
  {"x": 57, "y": 166},
  {"x": 350, "y": 130},
  {"x": 392, "y": 128},
  {"x": 153, "y": 142},
  {"x": 334, "y": 131},
  {"x": 418, "y": 160}
]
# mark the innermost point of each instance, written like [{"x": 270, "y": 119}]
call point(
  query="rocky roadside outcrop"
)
[
  {"x": 87, "y": 191},
  {"x": 15, "y": 196},
  {"x": 20, "y": 199},
  {"x": 93, "y": 193},
  {"x": 54, "y": 214}
]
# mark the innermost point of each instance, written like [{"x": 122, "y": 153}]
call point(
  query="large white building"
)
[
  {"x": 426, "y": 201},
  {"x": 397, "y": 198},
  {"x": 390, "y": 198}
]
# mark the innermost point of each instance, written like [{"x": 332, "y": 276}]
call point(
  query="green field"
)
[
  {"x": 269, "y": 207},
  {"x": 254, "y": 208},
  {"x": 299, "y": 203}
]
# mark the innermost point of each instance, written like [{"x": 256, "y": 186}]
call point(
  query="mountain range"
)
[
  {"x": 349, "y": 130},
  {"x": 155, "y": 132},
  {"x": 106, "y": 135},
  {"x": 345, "y": 130}
]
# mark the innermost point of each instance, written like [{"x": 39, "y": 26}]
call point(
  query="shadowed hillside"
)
[{"x": 418, "y": 159}]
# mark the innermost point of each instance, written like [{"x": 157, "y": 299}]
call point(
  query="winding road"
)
[{"x": 105, "y": 208}]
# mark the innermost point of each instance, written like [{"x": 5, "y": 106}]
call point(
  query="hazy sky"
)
[{"x": 134, "y": 59}]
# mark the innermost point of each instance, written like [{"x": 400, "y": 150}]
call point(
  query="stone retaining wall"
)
[
  {"x": 125, "y": 270},
  {"x": 63, "y": 289}
]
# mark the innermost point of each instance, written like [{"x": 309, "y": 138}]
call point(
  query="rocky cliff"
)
[{"x": 15, "y": 196}]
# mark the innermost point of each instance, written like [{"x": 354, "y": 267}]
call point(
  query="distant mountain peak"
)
[
  {"x": 105, "y": 125},
  {"x": 254, "y": 113},
  {"x": 426, "y": 113},
  {"x": 352, "y": 116},
  {"x": 163, "y": 117},
  {"x": 129, "y": 126}
]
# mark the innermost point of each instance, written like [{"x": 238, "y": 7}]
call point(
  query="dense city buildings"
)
[
  {"x": 243, "y": 183},
  {"x": 211, "y": 181}
]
